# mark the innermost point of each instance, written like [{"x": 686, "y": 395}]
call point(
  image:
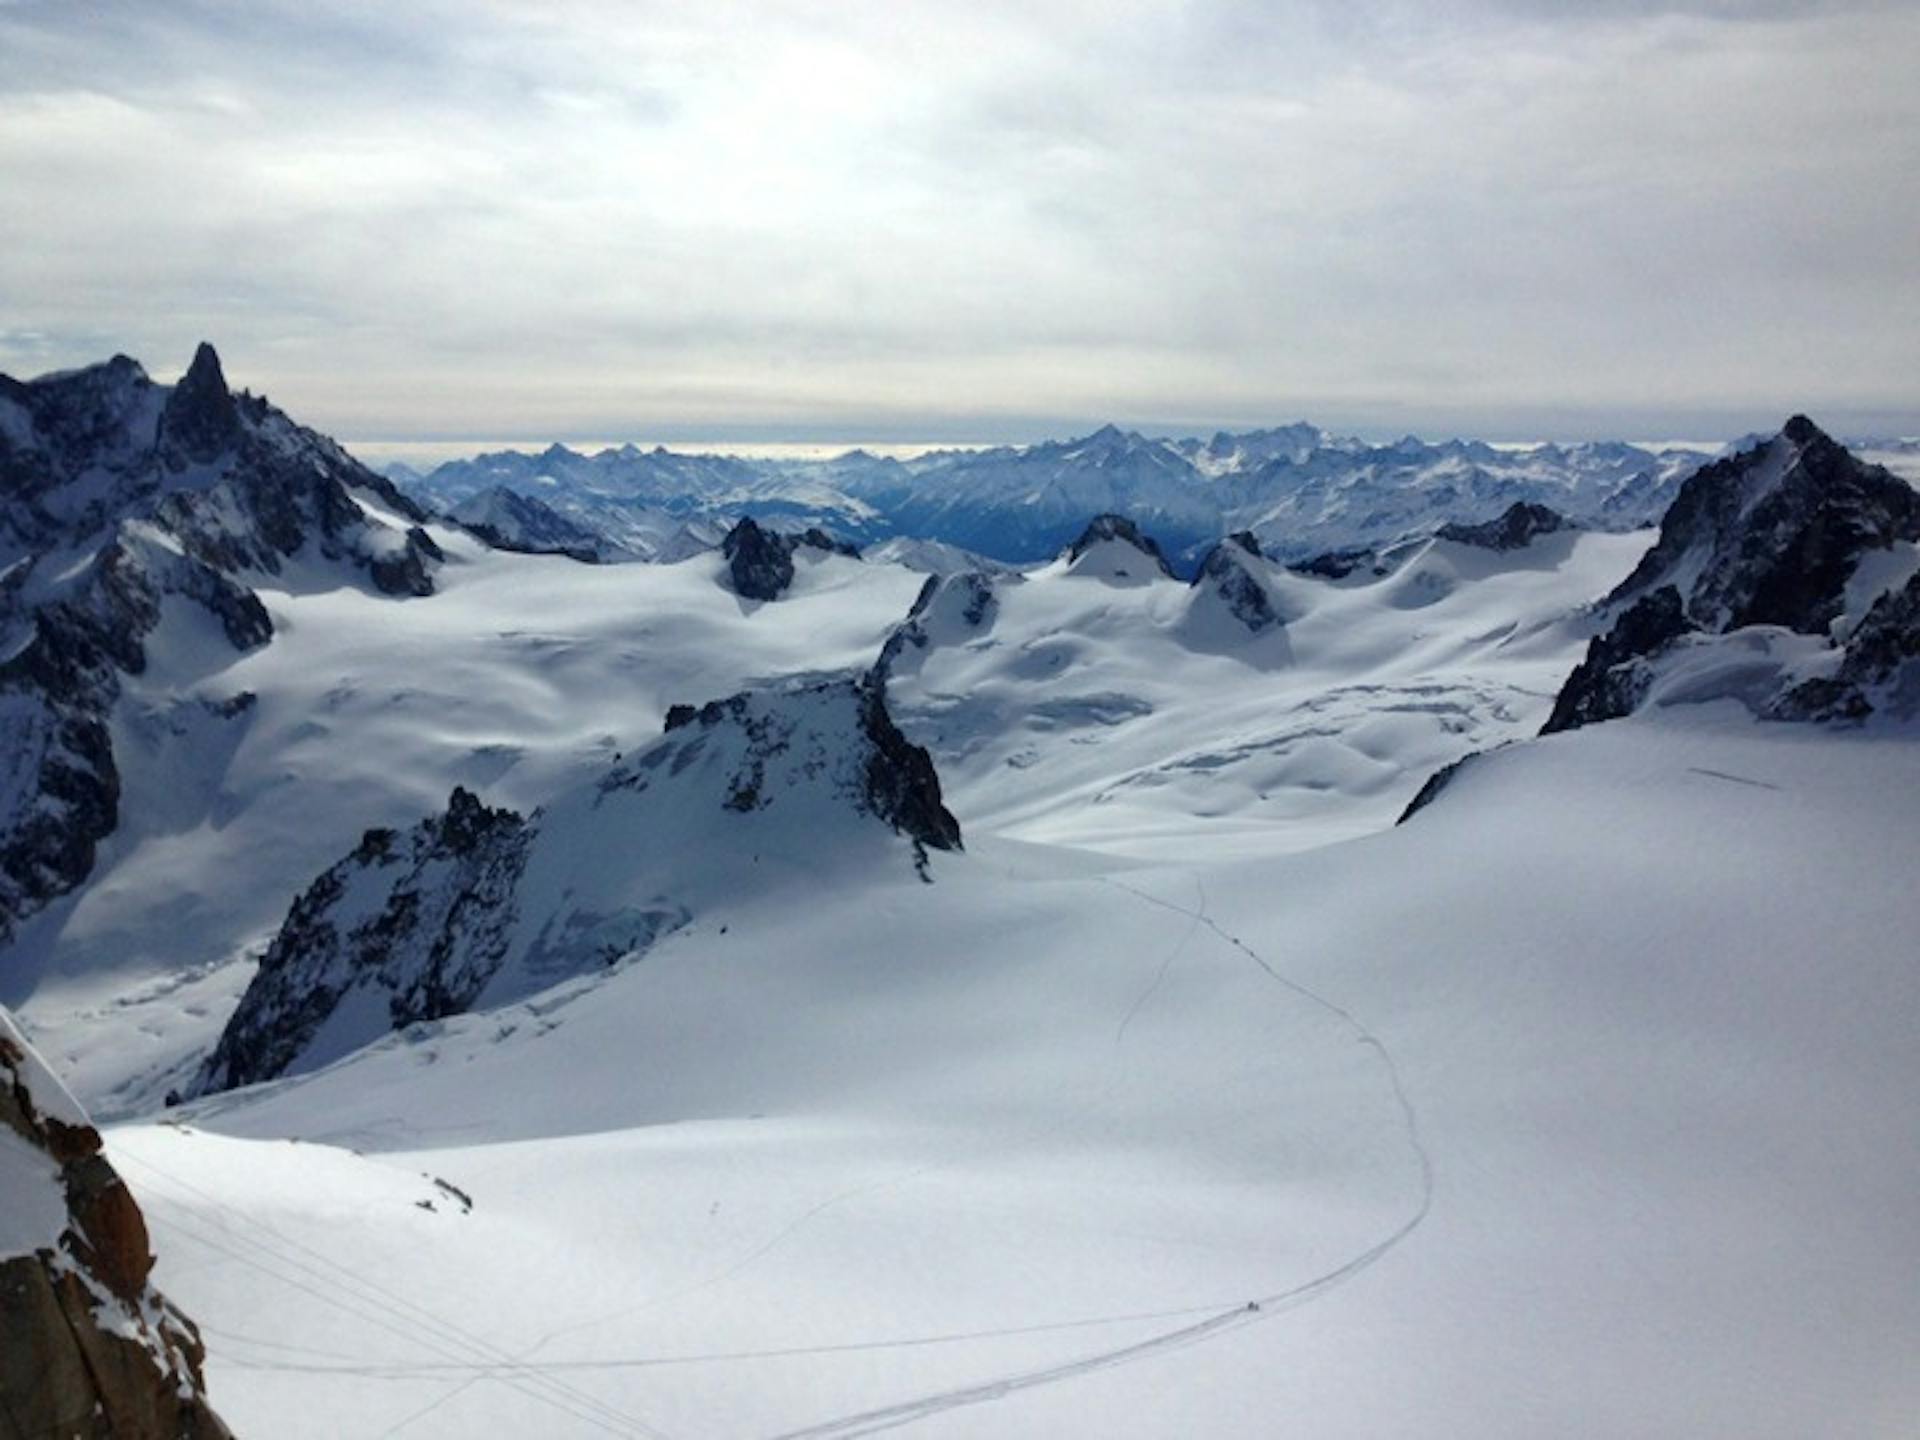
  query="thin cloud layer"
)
[{"x": 788, "y": 220}]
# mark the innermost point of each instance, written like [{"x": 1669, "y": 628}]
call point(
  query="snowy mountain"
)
[
  {"x": 89, "y": 1347},
  {"x": 658, "y": 504},
  {"x": 508, "y": 520},
  {"x": 1780, "y": 577},
  {"x": 561, "y": 1057},
  {"x": 478, "y": 907},
  {"x": 137, "y": 516},
  {"x": 1299, "y": 490}
]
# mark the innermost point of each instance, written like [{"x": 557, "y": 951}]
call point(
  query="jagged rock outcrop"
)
[
  {"x": 1437, "y": 783},
  {"x": 891, "y": 778},
  {"x": 949, "y": 608},
  {"x": 1879, "y": 671},
  {"x": 116, "y": 495},
  {"x": 1243, "y": 594},
  {"x": 1770, "y": 536},
  {"x": 1763, "y": 541},
  {"x": 236, "y": 483},
  {"x": 1613, "y": 678},
  {"x": 1103, "y": 529},
  {"x": 1338, "y": 564},
  {"x": 200, "y": 419},
  {"x": 478, "y": 907},
  {"x": 760, "y": 561},
  {"x": 423, "y": 917},
  {"x": 1521, "y": 524},
  {"x": 88, "y": 1348}
]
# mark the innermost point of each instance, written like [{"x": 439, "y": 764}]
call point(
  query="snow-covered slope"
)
[
  {"x": 1099, "y": 702},
  {"x": 1498, "y": 1123},
  {"x": 645, "y": 1086},
  {"x": 765, "y": 793},
  {"x": 242, "y": 777},
  {"x": 508, "y": 520}
]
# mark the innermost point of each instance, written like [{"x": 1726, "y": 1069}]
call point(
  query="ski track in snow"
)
[
  {"x": 1259, "y": 1308},
  {"x": 470, "y": 1360}
]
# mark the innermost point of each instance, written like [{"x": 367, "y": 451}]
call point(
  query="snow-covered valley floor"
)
[
  {"x": 1192, "y": 1098},
  {"x": 1013, "y": 1154}
]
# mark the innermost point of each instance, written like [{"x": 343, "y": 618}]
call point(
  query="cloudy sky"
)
[{"x": 990, "y": 219}]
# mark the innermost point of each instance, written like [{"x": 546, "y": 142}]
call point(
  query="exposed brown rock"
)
[{"x": 88, "y": 1349}]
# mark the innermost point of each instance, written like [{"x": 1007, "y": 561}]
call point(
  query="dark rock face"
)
[
  {"x": 187, "y": 493},
  {"x": 1335, "y": 564},
  {"x": 1770, "y": 536},
  {"x": 899, "y": 784},
  {"x": 759, "y": 563},
  {"x": 902, "y": 787},
  {"x": 1225, "y": 569},
  {"x": 1514, "y": 530},
  {"x": 964, "y": 601},
  {"x": 508, "y": 520},
  {"x": 1879, "y": 672},
  {"x": 200, "y": 420},
  {"x": 819, "y": 539},
  {"x": 1118, "y": 527},
  {"x": 425, "y": 915},
  {"x": 1437, "y": 782},
  {"x": 59, "y": 689},
  {"x": 1612, "y": 679},
  {"x": 87, "y": 1347}
]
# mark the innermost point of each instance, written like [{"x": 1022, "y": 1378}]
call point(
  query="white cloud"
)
[{"x": 785, "y": 218}]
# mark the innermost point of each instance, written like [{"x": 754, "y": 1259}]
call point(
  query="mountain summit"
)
[{"x": 1771, "y": 543}]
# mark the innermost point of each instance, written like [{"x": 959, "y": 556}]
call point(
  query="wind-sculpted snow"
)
[
  {"x": 1774, "y": 581},
  {"x": 480, "y": 906}
]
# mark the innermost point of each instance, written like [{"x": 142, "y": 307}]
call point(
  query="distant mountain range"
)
[{"x": 1299, "y": 490}]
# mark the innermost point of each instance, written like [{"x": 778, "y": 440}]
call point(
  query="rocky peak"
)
[
  {"x": 201, "y": 420},
  {"x": 759, "y": 562},
  {"x": 1613, "y": 678},
  {"x": 948, "y": 608},
  {"x": 87, "y": 1347},
  {"x": 1104, "y": 528},
  {"x": 1802, "y": 431},
  {"x": 1231, "y": 576},
  {"x": 424, "y": 918},
  {"x": 893, "y": 780},
  {"x": 1771, "y": 535},
  {"x": 1518, "y": 527}
]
